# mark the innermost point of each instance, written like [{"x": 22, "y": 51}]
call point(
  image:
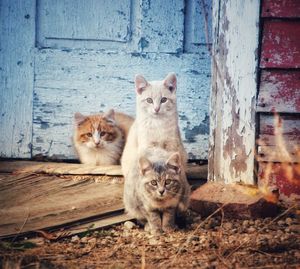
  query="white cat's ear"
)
[
  {"x": 144, "y": 165},
  {"x": 79, "y": 118},
  {"x": 171, "y": 82},
  {"x": 174, "y": 162},
  {"x": 110, "y": 115},
  {"x": 140, "y": 83}
]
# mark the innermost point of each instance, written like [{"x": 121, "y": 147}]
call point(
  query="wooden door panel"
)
[
  {"x": 79, "y": 20},
  {"x": 66, "y": 82}
]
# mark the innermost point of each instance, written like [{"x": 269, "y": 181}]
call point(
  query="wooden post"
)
[{"x": 234, "y": 87}]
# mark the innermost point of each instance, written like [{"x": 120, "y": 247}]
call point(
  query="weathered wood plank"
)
[
  {"x": 97, "y": 224},
  {"x": 282, "y": 177},
  {"x": 280, "y": 9},
  {"x": 161, "y": 26},
  {"x": 280, "y": 44},
  {"x": 194, "y": 171},
  {"x": 93, "y": 81},
  {"x": 34, "y": 202},
  {"x": 279, "y": 141},
  {"x": 17, "y": 31},
  {"x": 233, "y": 90},
  {"x": 279, "y": 91}
]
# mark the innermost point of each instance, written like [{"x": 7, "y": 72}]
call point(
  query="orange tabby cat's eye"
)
[{"x": 89, "y": 134}]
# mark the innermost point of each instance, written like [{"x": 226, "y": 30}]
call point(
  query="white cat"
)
[{"x": 156, "y": 123}]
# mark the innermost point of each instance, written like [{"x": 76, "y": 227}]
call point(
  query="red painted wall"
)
[{"x": 278, "y": 101}]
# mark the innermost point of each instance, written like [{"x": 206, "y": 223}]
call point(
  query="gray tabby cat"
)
[{"x": 156, "y": 190}]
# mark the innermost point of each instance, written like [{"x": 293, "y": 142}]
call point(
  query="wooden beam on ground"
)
[
  {"x": 31, "y": 202},
  {"x": 194, "y": 171}
]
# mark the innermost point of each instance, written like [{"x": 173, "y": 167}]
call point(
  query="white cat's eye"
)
[
  {"x": 89, "y": 134},
  {"x": 149, "y": 100},
  {"x": 164, "y": 99},
  {"x": 153, "y": 182},
  {"x": 168, "y": 181}
]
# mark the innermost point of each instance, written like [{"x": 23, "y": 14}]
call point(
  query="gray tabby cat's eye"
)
[
  {"x": 102, "y": 133},
  {"x": 153, "y": 182},
  {"x": 164, "y": 99},
  {"x": 149, "y": 100},
  {"x": 168, "y": 181}
]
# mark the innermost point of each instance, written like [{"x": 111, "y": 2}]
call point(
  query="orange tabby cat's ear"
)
[
  {"x": 110, "y": 115},
  {"x": 144, "y": 165},
  {"x": 79, "y": 118},
  {"x": 140, "y": 83},
  {"x": 174, "y": 162},
  {"x": 171, "y": 82}
]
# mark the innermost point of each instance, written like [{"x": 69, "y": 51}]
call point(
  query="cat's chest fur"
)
[{"x": 158, "y": 132}]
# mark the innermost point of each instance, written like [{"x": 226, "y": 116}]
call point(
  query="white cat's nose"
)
[{"x": 156, "y": 109}]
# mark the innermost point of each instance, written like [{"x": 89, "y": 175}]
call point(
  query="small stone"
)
[
  {"x": 294, "y": 228},
  {"x": 129, "y": 225},
  {"x": 245, "y": 223},
  {"x": 153, "y": 242},
  {"x": 251, "y": 230},
  {"x": 92, "y": 241},
  {"x": 228, "y": 226},
  {"x": 84, "y": 239},
  {"x": 287, "y": 230},
  {"x": 257, "y": 222},
  {"x": 280, "y": 223},
  {"x": 288, "y": 221},
  {"x": 75, "y": 239}
]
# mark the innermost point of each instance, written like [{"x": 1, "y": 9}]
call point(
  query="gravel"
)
[{"x": 214, "y": 243}]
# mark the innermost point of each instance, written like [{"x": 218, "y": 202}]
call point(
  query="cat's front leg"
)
[
  {"x": 168, "y": 220},
  {"x": 155, "y": 222}
]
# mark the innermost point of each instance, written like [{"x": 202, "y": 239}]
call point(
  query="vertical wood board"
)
[
  {"x": 280, "y": 44},
  {"x": 90, "y": 82},
  {"x": 197, "y": 31},
  {"x": 17, "y": 20},
  {"x": 280, "y": 9},
  {"x": 279, "y": 91},
  {"x": 234, "y": 90}
]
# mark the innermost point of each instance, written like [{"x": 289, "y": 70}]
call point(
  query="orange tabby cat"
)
[{"x": 99, "y": 139}]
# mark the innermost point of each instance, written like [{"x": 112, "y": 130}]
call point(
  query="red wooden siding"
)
[
  {"x": 278, "y": 104},
  {"x": 283, "y": 177},
  {"x": 280, "y": 9},
  {"x": 279, "y": 91},
  {"x": 272, "y": 148},
  {"x": 281, "y": 44}
]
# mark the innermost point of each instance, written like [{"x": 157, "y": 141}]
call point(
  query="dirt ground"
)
[{"x": 204, "y": 243}]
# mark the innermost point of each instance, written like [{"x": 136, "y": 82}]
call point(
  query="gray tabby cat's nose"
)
[{"x": 161, "y": 191}]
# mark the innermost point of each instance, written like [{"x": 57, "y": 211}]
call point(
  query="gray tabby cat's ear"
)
[
  {"x": 174, "y": 162},
  {"x": 79, "y": 118},
  {"x": 171, "y": 82},
  {"x": 110, "y": 115},
  {"x": 144, "y": 165},
  {"x": 140, "y": 83}
]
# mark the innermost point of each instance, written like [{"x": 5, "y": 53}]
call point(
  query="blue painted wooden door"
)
[{"x": 82, "y": 55}]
